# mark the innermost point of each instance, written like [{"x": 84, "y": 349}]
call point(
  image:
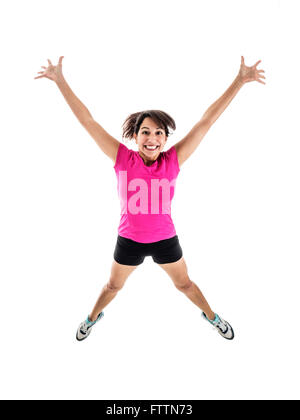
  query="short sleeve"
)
[
  {"x": 172, "y": 158},
  {"x": 122, "y": 158}
]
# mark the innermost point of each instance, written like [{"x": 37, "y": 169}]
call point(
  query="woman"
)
[{"x": 146, "y": 184}]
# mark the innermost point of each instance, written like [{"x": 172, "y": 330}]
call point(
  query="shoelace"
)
[
  {"x": 88, "y": 324},
  {"x": 84, "y": 328},
  {"x": 221, "y": 326}
]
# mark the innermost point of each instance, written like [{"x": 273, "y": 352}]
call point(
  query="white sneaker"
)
[
  {"x": 223, "y": 327},
  {"x": 85, "y": 328}
]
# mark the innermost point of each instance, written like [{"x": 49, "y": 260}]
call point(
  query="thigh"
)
[
  {"x": 177, "y": 271},
  {"x": 120, "y": 273}
]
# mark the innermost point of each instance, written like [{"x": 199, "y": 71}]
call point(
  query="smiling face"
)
[{"x": 151, "y": 140}]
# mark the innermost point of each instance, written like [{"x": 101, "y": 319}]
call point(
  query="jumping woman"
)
[{"x": 146, "y": 184}]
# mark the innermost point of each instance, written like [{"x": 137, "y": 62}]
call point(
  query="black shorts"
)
[{"x": 129, "y": 252}]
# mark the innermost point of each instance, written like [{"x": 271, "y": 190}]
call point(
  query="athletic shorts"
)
[{"x": 129, "y": 252}]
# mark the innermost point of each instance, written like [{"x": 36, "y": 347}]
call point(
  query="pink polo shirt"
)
[{"x": 145, "y": 194}]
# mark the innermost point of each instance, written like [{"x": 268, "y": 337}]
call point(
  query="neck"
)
[{"x": 147, "y": 161}]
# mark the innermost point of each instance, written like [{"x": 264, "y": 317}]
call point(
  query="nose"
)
[{"x": 152, "y": 138}]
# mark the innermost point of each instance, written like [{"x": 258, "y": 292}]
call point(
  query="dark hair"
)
[{"x": 133, "y": 122}]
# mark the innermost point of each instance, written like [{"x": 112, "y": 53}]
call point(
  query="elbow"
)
[
  {"x": 207, "y": 120},
  {"x": 85, "y": 121}
]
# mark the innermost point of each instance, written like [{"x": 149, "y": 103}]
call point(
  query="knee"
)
[
  {"x": 113, "y": 286},
  {"x": 184, "y": 284}
]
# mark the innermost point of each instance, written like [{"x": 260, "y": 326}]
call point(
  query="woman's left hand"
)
[{"x": 249, "y": 74}]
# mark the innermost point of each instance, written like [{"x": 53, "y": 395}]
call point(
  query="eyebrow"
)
[{"x": 156, "y": 128}]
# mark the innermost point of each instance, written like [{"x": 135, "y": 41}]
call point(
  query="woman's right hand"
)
[{"x": 52, "y": 72}]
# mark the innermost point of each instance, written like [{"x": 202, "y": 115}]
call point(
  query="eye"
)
[{"x": 147, "y": 132}]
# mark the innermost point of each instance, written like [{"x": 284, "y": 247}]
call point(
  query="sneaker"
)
[
  {"x": 223, "y": 327},
  {"x": 85, "y": 327}
]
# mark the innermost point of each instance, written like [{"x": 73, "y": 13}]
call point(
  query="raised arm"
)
[
  {"x": 108, "y": 144},
  {"x": 191, "y": 141}
]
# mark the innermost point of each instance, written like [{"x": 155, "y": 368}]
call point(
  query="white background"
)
[{"x": 236, "y": 206}]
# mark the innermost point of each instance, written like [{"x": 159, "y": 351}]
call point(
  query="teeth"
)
[{"x": 151, "y": 147}]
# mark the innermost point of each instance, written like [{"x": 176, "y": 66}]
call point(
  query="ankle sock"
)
[
  {"x": 89, "y": 321},
  {"x": 213, "y": 321},
  {"x": 216, "y": 319}
]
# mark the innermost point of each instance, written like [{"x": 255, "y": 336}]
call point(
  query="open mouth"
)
[{"x": 151, "y": 148}]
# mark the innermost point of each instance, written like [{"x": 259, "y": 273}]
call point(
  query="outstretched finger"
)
[
  {"x": 60, "y": 59},
  {"x": 38, "y": 77},
  {"x": 257, "y": 63},
  {"x": 49, "y": 61}
]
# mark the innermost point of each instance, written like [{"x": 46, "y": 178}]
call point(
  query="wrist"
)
[
  {"x": 239, "y": 81},
  {"x": 59, "y": 79}
]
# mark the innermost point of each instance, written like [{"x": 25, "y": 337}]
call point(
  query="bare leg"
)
[
  {"x": 178, "y": 273},
  {"x": 118, "y": 276}
]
